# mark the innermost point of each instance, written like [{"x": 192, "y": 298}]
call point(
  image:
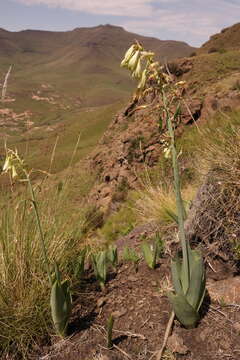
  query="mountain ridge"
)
[{"x": 23, "y": 41}]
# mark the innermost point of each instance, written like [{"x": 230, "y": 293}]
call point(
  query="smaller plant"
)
[
  {"x": 61, "y": 303},
  {"x": 79, "y": 269},
  {"x": 130, "y": 255},
  {"x": 110, "y": 324},
  {"x": 99, "y": 261},
  {"x": 112, "y": 256},
  {"x": 149, "y": 254},
  {"x": 152, "y": 252}
]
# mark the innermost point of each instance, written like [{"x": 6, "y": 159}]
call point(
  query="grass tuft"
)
[{"x": 24, "y": 286}]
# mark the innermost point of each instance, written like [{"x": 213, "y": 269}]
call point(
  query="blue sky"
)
[{"x": 192, "y": 21}]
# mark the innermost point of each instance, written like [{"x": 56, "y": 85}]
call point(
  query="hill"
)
[
  {"x": 227, "y": 39},
  {"x": 82, "y": 41},
  {"x": 61, "y": 80},
  {"x": 83, "y": 63}
]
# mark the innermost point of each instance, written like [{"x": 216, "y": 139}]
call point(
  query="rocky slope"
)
[
  {"x": 227, "y": 39},
  {"x": 132, "y": 140}
]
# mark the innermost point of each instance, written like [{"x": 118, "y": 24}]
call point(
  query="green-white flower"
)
[
  {"x": 143, "y": 80},
  {"x": 129, "y": 53},
  {"x": 138, "y": 71},
  {"x": 133, "y": 62}
]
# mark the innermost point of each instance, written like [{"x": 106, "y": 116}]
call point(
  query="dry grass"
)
[
  {"x": 216, "y": 218},
  {"x": 24, "y": 288},
  {"x": 158, "y": 203}
]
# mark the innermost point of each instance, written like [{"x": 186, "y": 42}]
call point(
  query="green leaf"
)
[
  {"x": 99, "y": 262},
  {"x": 79, "y": 270},
  {"x": 130, "y": 255},
  {"x": 158, "y": 245},
  {"x": 177, "y": 112},
  {"x": 183, "y": 310},
  {"x": 112, "y": 255},
  {"x": 185, "y": 277},
  {"x": 195, "y": 291},
  {"x": 149, "y": 255},
  {"x": 176, "y": 274},
  {"x": 110, "y": 323},
  {"x": 172, "y": 215},
  {"x": 60, "y": 302}
]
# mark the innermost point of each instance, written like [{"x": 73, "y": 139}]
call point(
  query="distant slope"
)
[
  {"x": 83, "y": 62},
  {"x": 227, "y": 39},
  {"x": 79, "y": 66},
  {"x": 66, "y": 83},
  {"x": 109, "y": 38}
]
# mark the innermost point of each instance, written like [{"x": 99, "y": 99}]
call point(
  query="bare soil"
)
[{"x": 137, "y": 299}]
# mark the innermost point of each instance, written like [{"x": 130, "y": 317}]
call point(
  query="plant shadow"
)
[{"x": 82, "y": 323}]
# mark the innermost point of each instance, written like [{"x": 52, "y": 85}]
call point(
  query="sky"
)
[{"x": 192, "y": 21}]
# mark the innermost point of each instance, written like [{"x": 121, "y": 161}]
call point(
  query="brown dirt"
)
[{"x": 138, "y": 301}]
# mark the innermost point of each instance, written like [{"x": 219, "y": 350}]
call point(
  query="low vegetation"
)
[
  {"x": 46, "y": 245},
  {"x": 25, "y": 309}
]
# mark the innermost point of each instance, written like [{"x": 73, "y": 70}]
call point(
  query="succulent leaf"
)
[
  {"x": 60, "y": 302},
  {"x": 112, "y": 255},
  {"x": 185, "y": 313},
  {"x": 79, "y": 270},
  {"x": 149, "y": 255},
  {"x": 176, "y": 271},
  {"x": 99, "y": 261},
  {"x": 194, "y": 293},
  {"x": 110, "y": 323}
]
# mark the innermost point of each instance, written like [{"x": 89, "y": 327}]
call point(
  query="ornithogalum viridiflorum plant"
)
[
  {"x": 60, "y": 299},
  {"x": 187, "y": 269}
]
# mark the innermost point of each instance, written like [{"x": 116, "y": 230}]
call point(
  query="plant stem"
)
[
  {"x": 33, "y": 199},
  {"x": 166, "y": 336},
  {"x": 179, "y": 201}
]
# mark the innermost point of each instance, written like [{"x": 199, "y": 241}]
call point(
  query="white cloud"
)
[
  {"x": 190, "y": 20},
  {"x": 132, "y": 8}
]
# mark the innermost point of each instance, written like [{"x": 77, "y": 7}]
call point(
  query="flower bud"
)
[
  {"x": 142, "y": 82},
  {"x": 129, "y": 53},
  {"x": 137, "y": 73},
  {"x": 132, "y": 64}
]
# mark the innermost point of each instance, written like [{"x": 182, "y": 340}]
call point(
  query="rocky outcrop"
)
[
  {"x": 213, "y": 223},
  {"x": 132, "y": 142},
  {"x": 222, "y": 102}
]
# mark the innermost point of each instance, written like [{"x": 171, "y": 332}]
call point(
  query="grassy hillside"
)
[
  {"x": 64, "y": 83},
  {"x": 82, "y": 64},
  {"x": 215, "y": 71},
  {"x": 227, "y": 39}
]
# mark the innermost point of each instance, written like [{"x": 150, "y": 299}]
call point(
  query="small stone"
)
[
  {"x": 132, "y": 278},
  {"x": 103, "y": 357},
  {"x": 119, "y": 313},
  {"x": 236, "y": 327},
  {"x": 176, "y": 345},
  {"x": 101, "y": 301},
  {"x": 225, "y": 291},
  {"x": 204, "y": 334}
]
